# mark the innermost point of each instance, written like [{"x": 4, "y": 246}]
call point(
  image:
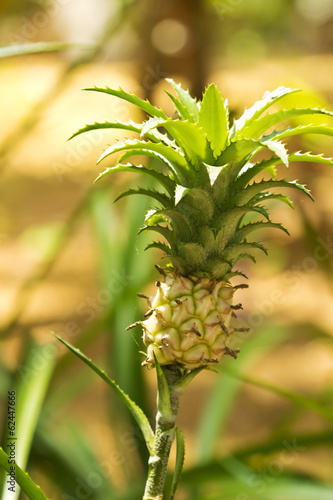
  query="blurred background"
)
[{"x": 70, "y": 260}]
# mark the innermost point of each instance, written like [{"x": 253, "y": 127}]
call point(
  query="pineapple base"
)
[{"x": 189, "y": 321}]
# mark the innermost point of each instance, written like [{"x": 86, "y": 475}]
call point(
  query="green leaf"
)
[
  {"x": 139, "y": 169},
  {"x": 151, "y": 124},
  {"x": 186, "y": 100},
  {"x": 230, "y": 218},
  {"x": 308, "y": 157},
  {"x": 232, "y": 253},
  {"x": 191, "y": 139},
  {"x": 302, "y": 129},
  {"x": 31, "y": 387},
  {"x": 22, "y": 478},
  {"x": 163, "y": 392},
  {"x": 180, "y": 458},
  {"x": 253, "y": 170},
  {"x": 161, "y": 246},
  {"x": 198, "y": 205},
  {"x": 223, "y": 487},
  {"x": 245, "y": 230},
  {"x": 136, "y": 412},
  {"x": 259, "y": 127},
  {"x": 133, "y": 99},
  {"x": 152, "y": 154},
  {"x": 194, "y": 256},
  {"x": 250, "y": 115},
  {"x": 183, "y": 382},
  {"x": 213, "y": 119},
  {"x": 182, "y": 111},
  {"x": 252, "y": 190},
  {"x": 31, "y": 391},
  {"x": 279, "y": 149},
  {"x": 133, "y": 127},
  {"x": 272, "y": 196},
  {"x": 275, "y": 443},
  {"x": 238, "y": 151},
  {"x": 246, "y": 175},
  {"x": 182, "y": 225},
  {"x": 171, "y": 157},
  {"x": 218, "y": 268},
  {"x": 160, "y": 197},
  {"x": 232, "y": 274},
  {"x": 166, "y": 232},
  {"x": 41, "y": 47},
  {"x": 71, "y": 451},
  {"x": 303, "y": 401},
  {"x": 140, "y": 128}
]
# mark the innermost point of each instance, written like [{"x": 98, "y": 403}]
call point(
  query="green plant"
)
[{"x": 208, "y": 205}]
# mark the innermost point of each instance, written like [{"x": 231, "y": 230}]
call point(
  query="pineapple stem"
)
[{"x": 164, "y": 436}]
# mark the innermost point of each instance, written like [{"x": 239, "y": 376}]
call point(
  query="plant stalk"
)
[{"x": 164, "y": 436}]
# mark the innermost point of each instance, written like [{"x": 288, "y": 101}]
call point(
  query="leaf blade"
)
[
  {"x": 299, "y": 399},
  {"x": 213, "y": 119},
  {"x": 131, "y": 98},
  {"x": 188, "y": 102},
  {"x": 258, "y": 127},
  {"x": 22, "y": 478},
  {"x": 180, "y": 459},
  {"x": 137, "y": 413},
  {"x": 164, "y": 180},
  {"x": 251, "y": 114}
]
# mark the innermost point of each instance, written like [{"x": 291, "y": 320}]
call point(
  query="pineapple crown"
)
[{"x": 205, "y": 169}]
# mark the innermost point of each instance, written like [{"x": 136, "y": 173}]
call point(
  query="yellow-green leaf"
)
[{"x": 213, "y": 119}]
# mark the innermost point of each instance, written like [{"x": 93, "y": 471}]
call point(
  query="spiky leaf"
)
[
  {"x": 180, "y": 458},
  {"x": 162, "y": 198},
  {"x": 245, "y": 230},
  {"x": 191, "y": 139},
  {"x": 233, "y": 252},
  {"x": 251, "y": 114},
  {"x": 194, "y": 255},
  {"x": 187, "y": 102},
  {"x": 133, "y": 127},
  {"x": 302, "y": 129},
  {"x": 259, "y": 127},
  {"x": 137, "y": 413},
  {"x": 257, "y": 187},
  {"x": 174, "y": 159},
  {"x": 22, "y": 478},
  {"x": 131, "y": 98},
  {"x": 209, "y": 185},
  {"x": 139, "y": 169},
  {"x": 182, "y": 110},
  {"x": 213, "y": 119}
]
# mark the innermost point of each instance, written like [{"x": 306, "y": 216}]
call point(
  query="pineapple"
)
[{"x": 212, "y": 196}]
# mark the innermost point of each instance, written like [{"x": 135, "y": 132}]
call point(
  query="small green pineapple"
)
[{"x": 205, "y": 169}]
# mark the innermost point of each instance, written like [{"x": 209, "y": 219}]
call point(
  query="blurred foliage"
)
[{"x": 70, "y": 260}]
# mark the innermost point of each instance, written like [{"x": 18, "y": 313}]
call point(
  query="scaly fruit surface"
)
[
  {"x": 214, "y": 193},
  {"x": 189, "y": 321}
]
